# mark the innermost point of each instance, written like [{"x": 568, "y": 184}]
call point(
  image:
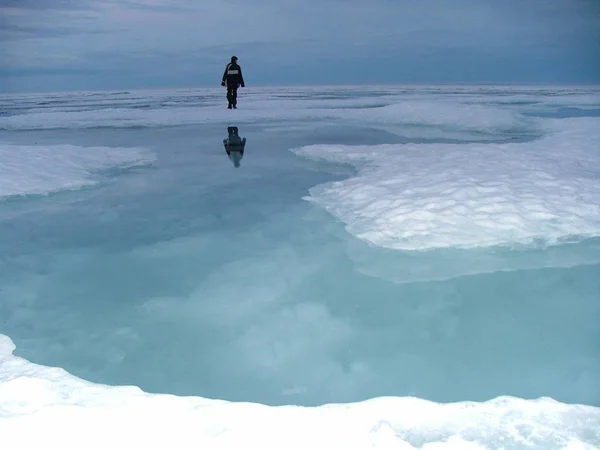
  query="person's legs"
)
[
  {"x": 230, "y": 95},
  {"x": 234, "y": 96}
]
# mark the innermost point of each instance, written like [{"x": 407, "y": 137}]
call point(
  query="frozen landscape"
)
[{"x": 389, "y": 268}]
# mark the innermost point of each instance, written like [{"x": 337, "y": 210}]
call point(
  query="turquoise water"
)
[{"x": 192, "y": 277}]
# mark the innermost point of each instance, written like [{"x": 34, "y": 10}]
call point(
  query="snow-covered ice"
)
[
  {"x": 389, "y": 268},
  {"x": 422, "y": 196}
]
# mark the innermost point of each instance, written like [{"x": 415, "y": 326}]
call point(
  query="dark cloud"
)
[
  {"x": 15, "y": 32},
  {"x": 159, "y": 8},
  {"x": 47, "y": 4},
  {"x": 307, "y": 41}
]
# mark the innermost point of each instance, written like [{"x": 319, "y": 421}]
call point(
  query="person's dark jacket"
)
[{"x": 233, "y": 75}]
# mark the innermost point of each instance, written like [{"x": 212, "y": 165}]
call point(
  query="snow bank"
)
[{"x": 44, "y": 407}]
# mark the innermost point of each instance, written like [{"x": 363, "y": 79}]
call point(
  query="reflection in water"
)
[{"x": 234, "y": 146}]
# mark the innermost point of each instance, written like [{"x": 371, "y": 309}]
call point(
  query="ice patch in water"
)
[
  {"x": 37, "y": 169},
  {"x": 66, "y": 411},
  {"x": 425, "y": 196}
]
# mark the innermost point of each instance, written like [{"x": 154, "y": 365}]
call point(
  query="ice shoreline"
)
[
  {"x": 47, "y": 169},
  {"x": 42, "y": 405}
]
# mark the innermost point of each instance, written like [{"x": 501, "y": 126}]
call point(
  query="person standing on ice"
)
[{"x": 233, "y": 79}]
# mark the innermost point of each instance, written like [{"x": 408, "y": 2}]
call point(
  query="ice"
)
[
  {"x": 67, "y": 411},
  {"x": 138, "y": 297},
  {"x": 384, "y": 109},
  {"x": 38, "y": 169},
  {"x": 426, "y": 196}
]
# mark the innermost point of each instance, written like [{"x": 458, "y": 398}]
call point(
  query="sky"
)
[{"x": 55, "y": 45}]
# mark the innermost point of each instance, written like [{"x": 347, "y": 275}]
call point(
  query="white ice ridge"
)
[
  {"x": 414, "y": 197},
  {"x": 45, "y": 407},
  {"x": 37, "y": 169}
]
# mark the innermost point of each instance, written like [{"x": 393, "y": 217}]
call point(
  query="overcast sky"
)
[{"x": 113, "y": 44}]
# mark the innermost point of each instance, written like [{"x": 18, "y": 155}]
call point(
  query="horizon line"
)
[{"x": 315, "y": 85}]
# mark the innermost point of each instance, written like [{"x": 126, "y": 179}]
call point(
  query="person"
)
[{"x": 233, "y": 79}]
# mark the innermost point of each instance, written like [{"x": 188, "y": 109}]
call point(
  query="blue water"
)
[{"x": 193, "y": 277}]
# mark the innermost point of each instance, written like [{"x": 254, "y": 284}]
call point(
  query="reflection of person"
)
[
  {"x": 232, "y": 77},
  {"x": 234, "y": 146},
  {"x": 236, "y": 157}
]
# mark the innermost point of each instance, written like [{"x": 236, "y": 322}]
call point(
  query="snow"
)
[{"x": 41, "y": 406}]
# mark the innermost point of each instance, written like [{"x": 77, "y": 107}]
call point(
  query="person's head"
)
[{"x": 234, "y": 59}]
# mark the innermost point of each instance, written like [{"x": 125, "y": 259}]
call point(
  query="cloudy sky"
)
[{"x": 112, "y": 44}]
